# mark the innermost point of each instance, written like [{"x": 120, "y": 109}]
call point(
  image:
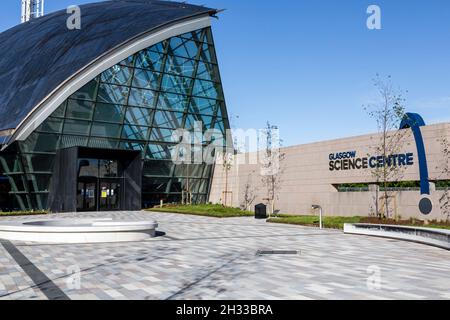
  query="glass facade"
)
[{"x": 138, "y": 105}]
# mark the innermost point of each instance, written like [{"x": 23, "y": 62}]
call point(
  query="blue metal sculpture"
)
[{"x": 415, "y": 122}]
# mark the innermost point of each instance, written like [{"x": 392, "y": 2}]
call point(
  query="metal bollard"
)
[{"x": 315, "y": 207}]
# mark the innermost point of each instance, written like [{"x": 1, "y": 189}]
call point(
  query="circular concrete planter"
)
[
  {"x": 77, "y": 231},
  {"x": 434, "y": 237}
]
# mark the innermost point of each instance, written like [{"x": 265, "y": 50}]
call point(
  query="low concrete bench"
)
[
  {"x": 433, "y": 237},
  {"x": 77, "y": 231}
]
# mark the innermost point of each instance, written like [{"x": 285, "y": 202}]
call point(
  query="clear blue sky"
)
[{"x": 307, "y": 65}]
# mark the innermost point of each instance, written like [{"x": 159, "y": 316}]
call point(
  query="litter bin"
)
[{"x": 261, "y": 211}]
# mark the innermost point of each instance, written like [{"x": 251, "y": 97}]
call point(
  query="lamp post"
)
[{"x": 317, "y": 207}]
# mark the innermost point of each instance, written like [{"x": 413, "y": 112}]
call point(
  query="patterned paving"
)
[{"x": 205, "y": 258}]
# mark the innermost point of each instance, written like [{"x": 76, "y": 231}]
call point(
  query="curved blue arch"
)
[{"x": 415, "y": 121}]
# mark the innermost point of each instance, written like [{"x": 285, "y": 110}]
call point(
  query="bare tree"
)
[
  {"x": 227, "y": 164},
  {"x": 229, "y": 153},
  {"x": 249, "y": 193},
  {"x": 272, "y": 159},
  {"x": 444, "y": 168},
  {"x": 388, "y": 112}
]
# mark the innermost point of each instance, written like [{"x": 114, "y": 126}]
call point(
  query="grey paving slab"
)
[{"x": 206, "y": 258}]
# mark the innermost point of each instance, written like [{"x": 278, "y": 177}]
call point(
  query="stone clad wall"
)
[{"x": 307, "y": 179}]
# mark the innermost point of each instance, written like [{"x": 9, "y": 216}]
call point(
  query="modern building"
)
[
  {"x": 341, "y": 176},
  {"x": 89, "y": 116}
]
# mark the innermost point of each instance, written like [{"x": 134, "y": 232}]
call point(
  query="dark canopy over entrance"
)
[{"x": 88, "y": 179}]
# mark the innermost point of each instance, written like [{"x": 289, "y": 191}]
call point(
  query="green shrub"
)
[
  {"x": 208, "y": 210},
  {"x": 22, "y": 213},
  {"x": 313, "y": 221}
]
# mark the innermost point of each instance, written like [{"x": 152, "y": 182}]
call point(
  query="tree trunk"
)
[
  {"x": 377, "y": 206},
  {"x": 226, "y": 186}
]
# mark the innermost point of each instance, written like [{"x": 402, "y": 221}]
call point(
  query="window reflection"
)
[
  {"x": 98, "y": 168},
  {"x": 135, "y": 105}
]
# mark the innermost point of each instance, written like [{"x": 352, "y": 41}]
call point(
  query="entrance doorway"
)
[
  {"x": 99, "y": 194},
  {"x": 110, "y": 194},
  {"x": 100, "y": 184},
  {"x": 87, "y": 194},
  {"x": 90, "y": 179},
  {"x": 6, "y": 202}
]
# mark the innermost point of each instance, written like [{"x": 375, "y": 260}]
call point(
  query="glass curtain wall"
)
[{"x": 135, "y": 105}]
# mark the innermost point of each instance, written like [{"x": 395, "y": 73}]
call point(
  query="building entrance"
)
[
  {"x": 110, "y": 194},
  {"x": 87, "y": 194},
  {"x": 89, "y": 179},
  {"x": 100, "y": 184}
]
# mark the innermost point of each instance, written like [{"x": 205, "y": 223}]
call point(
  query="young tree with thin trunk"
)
[
  {"x": 229, "y": 153},
  {"x": 227, "y": 163},
  {"x": 387, "y": 111},
  {"x": 249, "y": 193},
  {"x": 444, "y": 168},
  {"x": 271, "y": 159}
]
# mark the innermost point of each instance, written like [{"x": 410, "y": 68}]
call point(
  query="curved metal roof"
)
[{"x": 37, "y": 56}]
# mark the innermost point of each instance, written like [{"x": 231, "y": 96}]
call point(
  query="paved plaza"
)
[{"x": 206, "y": 258}]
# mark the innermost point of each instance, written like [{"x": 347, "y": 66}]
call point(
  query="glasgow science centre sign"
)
[{"x": 344, "y": 161}]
